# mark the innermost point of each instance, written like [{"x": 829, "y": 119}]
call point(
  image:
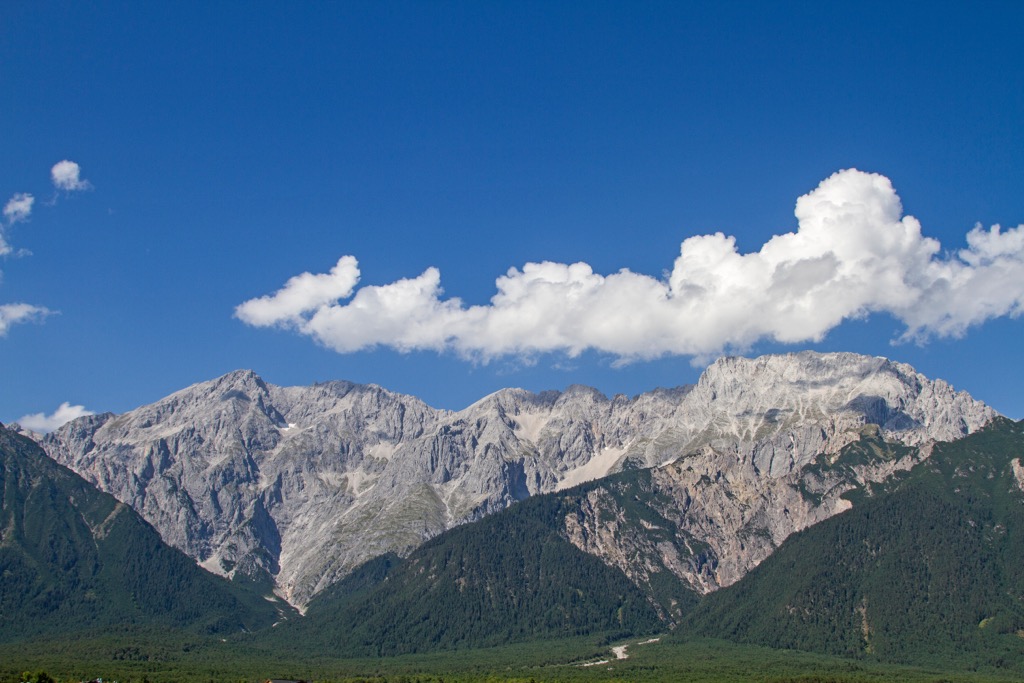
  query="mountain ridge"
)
[
  {"x": 299, "y": 485},
  {"x": 922, "y": 569}
]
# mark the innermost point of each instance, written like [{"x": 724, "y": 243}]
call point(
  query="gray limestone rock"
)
[{"x": 299, "y": 485}]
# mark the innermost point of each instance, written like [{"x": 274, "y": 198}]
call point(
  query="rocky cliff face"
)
[
  {"x": 711, "y": 516},
  {"x": 301, "y": 484}
]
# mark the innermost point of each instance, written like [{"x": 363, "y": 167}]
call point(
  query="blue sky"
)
[{"x": 224, "y": 148}]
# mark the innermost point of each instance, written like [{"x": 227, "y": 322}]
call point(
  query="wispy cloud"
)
[
  {"x": 12, "y": 314},
  {"x": 43, "y": 423},
  {"x": 854, "y": 253},
  {"x": 18, "y": 208},
  {"x": 66, "y": 175}
]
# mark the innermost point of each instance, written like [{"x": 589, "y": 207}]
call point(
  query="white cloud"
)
[
  {"x": 854, "y": 253},
  {"x": 65, "y": 175},
  {"x": 12, "y": 314},
  {"x": 18, "y": 208},
  {"x": 42, "y": 423},
  {"x": 302, "y": 294}
]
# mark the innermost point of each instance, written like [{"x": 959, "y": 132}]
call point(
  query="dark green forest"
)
[
  {"x": 73, "y": 559},
  {"x": 574, "y": 660},
  {"x": 928, "y": 569}
]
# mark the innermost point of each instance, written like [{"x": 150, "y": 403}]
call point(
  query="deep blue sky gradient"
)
[{"x": 232, "y": 145}]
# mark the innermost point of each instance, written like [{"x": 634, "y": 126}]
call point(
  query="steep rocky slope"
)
[
  {"x": 707, "y": 519},
  {"x": 298, "y": 485}
]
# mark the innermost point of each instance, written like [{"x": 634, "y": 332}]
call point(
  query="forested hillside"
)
[
  {"x": 510, "y": 577},
  {"x": 74, "y": 559},
  {"x": 930, "y": 568}
]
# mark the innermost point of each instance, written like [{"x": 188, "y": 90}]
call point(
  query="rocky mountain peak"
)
[
  {"x": 299, "y": 485},
  {"x": 240, "y": 378},
  {"x": 576, "y": 392}
]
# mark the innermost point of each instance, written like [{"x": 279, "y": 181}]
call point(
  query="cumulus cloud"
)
[
  {"x": 66, "y": 176},
  {"x": 42, "y": 423},
  {"x": 12, "y": 314},
  {"x": 854, "y": 253},
  {"x": 302, "y": 294}
]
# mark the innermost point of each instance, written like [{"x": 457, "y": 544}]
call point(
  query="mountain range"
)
[
  {"x": 827, "y": 502},
  {"x": 924, "y": 568},
  {"x": 296, "y": 487}
]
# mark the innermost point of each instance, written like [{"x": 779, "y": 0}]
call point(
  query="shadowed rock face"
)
[{"x": 301, "y": 484}]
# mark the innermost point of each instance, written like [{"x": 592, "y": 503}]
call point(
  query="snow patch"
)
[{"x": 598, "y": 466}]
